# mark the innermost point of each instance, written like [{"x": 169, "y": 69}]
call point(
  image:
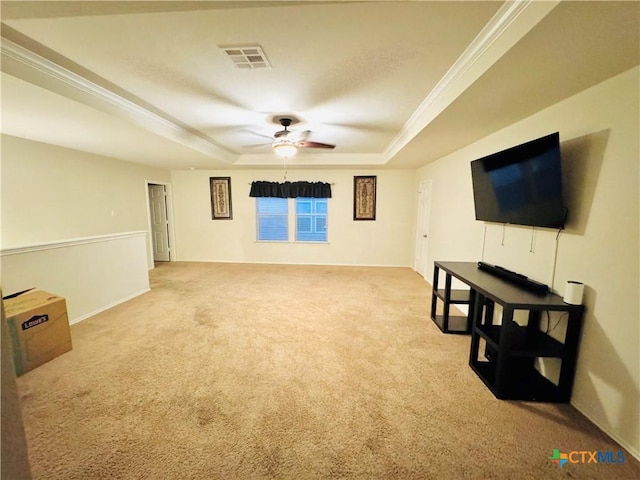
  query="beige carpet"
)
[{"x": 228, "y": 371}]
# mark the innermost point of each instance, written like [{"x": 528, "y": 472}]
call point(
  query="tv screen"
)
[{"x": 521, "y": 185}]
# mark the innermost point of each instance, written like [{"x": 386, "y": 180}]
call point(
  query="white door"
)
[
  {"x": 422, "y": 228},
  {"x": 159, "y": 222}
]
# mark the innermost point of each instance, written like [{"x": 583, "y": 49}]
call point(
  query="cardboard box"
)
[{"x": 38, "y": 328}]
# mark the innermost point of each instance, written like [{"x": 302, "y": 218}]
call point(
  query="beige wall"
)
[
  {"x": 93, "y": 274},
  {"x": 599, "y": 132},
  {"x": 386, "y": 241},
  {"x": 74, "y": 224},
  {"x": 52, "y": 193}
]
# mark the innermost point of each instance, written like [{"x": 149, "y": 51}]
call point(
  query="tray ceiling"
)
[{"x": 391, "y": 84}]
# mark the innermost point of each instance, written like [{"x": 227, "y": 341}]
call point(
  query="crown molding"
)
[
  {"x": 509, "y": 24},
  {"x": 313, "y": 160},
  {"x": 96, "y": 96}
]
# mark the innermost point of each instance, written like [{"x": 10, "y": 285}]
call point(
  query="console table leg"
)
[
  {"x": 472, "y": 306},
  {"x": 434, "y": 292},
  {"x": 501, "y": 360},
  {"x": 476, "y": 316},
  {"x": 447, "y": 302}
]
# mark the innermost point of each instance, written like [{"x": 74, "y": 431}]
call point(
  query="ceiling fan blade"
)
[
  {"x": 307, "y": 144},
  {"x": 302, "y": 136},
  {"x": 257, "y": 145},
  {"x": 256, "y": 133},
  {"x": 282, "y": 134}
]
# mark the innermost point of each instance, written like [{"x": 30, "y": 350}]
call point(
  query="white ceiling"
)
[{"x": 392, "y": 84}]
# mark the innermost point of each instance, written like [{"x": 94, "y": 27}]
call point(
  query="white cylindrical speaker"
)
[{"x": 573, "y": 293}]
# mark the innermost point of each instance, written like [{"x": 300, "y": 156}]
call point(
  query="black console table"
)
[{"x": 507, "y": 365}]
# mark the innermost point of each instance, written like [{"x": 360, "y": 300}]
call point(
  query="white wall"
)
[
  {"x": 74, "y": 224},
  {"x": 599, "y": 131},
  {"x": 52, "y": 193},
  {"x": 386, "y": 241},
  {"x": 92, "y": 274}
]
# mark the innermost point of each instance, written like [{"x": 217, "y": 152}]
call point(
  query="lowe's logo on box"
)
[{"x": 35, "y": 321}]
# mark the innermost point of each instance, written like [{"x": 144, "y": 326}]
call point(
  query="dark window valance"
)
[{"x": 290, "y": 189}]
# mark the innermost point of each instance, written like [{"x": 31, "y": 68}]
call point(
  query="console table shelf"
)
[
  {"x": 454, "y": 323},
  {"x": 456, "y": 296},
  {"x": 524, "y": 383},
  {"x": 523, "y": 342},
  {"x": 446, "y": 322},
  {"x": 508, "y": 365}
]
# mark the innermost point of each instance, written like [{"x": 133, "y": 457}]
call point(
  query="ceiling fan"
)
[{"x": 286, "y": 142}]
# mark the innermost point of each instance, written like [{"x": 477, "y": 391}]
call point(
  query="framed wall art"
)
[
  {"x": 364, "y": 197},
  {"x": 221, "y": 198}
]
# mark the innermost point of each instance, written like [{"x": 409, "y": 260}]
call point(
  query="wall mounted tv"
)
[{"x": 521, "y": 185}]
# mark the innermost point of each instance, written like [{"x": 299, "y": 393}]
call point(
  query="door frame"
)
[
  {"x": 420, "y": 225},
  {"x": 170, "y": 229}
]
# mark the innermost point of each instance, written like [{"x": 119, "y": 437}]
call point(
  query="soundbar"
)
[{"x": 515, "y": 278}]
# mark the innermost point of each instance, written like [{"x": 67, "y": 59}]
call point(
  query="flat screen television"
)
[{"x": 521, "y": 185}]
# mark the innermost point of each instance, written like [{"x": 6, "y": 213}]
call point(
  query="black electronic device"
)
[
  {"x": 521, "y": 185},
  {"x": 515, "y": 278}
]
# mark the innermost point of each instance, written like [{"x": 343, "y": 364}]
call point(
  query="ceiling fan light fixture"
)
[{"x": 285, "y": 148}]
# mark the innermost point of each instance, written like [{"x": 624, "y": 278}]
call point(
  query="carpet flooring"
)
[{"x": 239, "y": 371}]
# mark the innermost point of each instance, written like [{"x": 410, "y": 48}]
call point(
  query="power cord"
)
[{"x": 549, "y": 327}]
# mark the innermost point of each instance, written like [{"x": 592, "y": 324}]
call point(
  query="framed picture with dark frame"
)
[
  {"x": 221, "y": 198},
  {"x": 364, "y": 197}
]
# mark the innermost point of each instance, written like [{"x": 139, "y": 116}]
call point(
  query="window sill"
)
[{"x": 294, "y": 242}]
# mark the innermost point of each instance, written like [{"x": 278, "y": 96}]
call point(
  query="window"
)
[
  {"x": 272, "y": 218},
  {"x": 311, "y": 219},
  {"x": 272, "y": 215}
]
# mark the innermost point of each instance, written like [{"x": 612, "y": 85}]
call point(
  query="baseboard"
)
[
  {"x": 296, "y": 263},
  {"x": 107, "y": 307},
  {"x": 634, "y": 453}
]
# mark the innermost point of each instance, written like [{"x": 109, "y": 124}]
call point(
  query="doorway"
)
[
  {"x": 422, "y": 228},
  {"x": 159, "y": 221}
]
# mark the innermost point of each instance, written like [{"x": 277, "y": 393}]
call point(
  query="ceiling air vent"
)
[{"x": 246, "y": 57}]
